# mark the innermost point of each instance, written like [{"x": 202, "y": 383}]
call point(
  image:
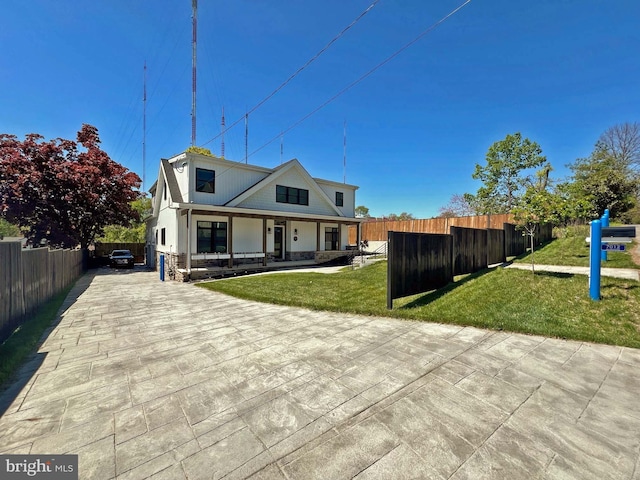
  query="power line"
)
[
  {"x": 291, "y": 77},
  {"x": 354, "y": 83}
]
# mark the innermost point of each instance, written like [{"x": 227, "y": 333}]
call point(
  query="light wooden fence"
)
[
  {"x": 28, "y": 278},
  {"x": 376, "y": 230}
]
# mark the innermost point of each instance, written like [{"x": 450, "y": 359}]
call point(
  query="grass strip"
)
[
  {"x": 25, "y": 338},
  {"x": 548, "y": 304},
  {"x": 573, "y": 250}
]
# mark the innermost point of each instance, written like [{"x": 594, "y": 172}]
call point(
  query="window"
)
[
  {"x": 296, "y": 196},
  {"x": 205, "y": 180},
  {"x": 339, "y": 199},
  {"x": 212, "y": 237},
  {"x": 163, "y": 236},
  {"x": 164, "y": 190}
]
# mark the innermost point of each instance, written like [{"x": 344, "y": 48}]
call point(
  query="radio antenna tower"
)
[
  {"x": 144, "y": 124},
  {"x": 222, "y": 133},
  {"x": 344, "y": 154},
  {"x": 246, "y": 137},
  {"x": 194, "y": 4}
]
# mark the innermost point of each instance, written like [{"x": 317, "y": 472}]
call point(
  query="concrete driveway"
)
[{"x": 144, "y": 379}]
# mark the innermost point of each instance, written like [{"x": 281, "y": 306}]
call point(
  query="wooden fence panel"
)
[
  {"x": 469, "y": 250},
  {"x": 376, "y": 230},
  {"x": 515, "y": 243},
  {"x": 417, "y": 263},
  {"x": 11, "y": 297},
  {"x": 495, "y": 246},
  {"x": 29, "y": 278},
  {"x": 37, "y": 279}
]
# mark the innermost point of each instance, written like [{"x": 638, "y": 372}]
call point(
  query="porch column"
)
[
  {"x": 189, "y": 241},
  {"x": 230, "y": 241},
  {"x": 264, "y": 241},
  {"x": 318, "y": 236},
  {"x": 339, "y": 236}
]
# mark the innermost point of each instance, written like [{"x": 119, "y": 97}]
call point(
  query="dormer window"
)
[
  {"x": 339, "y": 199},
  {"x": 205, "y": 180}
]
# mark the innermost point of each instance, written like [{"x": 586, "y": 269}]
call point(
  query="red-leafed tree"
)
[{"x": 61, "y": 192}]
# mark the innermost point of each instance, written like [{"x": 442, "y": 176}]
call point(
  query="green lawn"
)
[
  {"x": 556, "y": 305},
  {"x": 572, "y": 250},
  {"x": 24, "y": 339}
]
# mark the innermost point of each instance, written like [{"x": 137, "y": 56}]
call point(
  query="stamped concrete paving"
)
[{"x": 144, "y": 379}]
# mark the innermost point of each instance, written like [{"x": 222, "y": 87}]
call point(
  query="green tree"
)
[
  {"x": 362, "y": 212},
  {"x": 8, "y": 230},
  {"x": 200, "y": 150},
  {"x": 535, "y": 207},
  {"x": 402, "y": 216},
  {"x": 135, "y": 232},
  {"x": 506, "y": 175},
  {"x": 602, "y": 181}
]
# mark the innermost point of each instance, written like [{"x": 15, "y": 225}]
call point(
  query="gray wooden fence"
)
[{"x": 28, "y": 278}]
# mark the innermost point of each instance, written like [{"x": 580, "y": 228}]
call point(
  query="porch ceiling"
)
[{"x": 269, "y": 214}]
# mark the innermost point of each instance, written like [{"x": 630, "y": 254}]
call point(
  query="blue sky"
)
[{"x": 559, "y": 71}]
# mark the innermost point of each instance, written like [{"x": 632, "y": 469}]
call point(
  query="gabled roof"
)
[
  {"x": 293, "y": 164},
  {"x": 167, "y": 174},
  {"x": 172, "y": 183}
]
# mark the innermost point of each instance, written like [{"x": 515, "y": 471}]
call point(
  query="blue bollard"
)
[
  {"x": 594, "y": 260},
  {"x": 162, "y": 267},
  {"x": 605, "y": 223}
]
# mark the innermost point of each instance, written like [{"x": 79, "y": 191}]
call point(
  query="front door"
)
[
  {"x": 331, "y": 238},
  {"x": 278, "y": 242}
]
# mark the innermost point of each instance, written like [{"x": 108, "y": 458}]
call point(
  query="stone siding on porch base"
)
[{"x": 330, "y": 255}]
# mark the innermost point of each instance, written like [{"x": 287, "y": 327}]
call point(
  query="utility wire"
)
[
  {"x": 309, "y": 62},
  {"x": 354, "y": 83}
]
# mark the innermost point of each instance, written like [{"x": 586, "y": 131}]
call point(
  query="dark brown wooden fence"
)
[
  {"x": 28, "y": 278},
  {"x": 496, "y": 250},
  {"x": 469, "y": 250},
  {"x": 417, "y": 262}
]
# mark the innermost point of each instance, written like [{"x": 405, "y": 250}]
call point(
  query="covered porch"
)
[{"x": 220, "y": 242}]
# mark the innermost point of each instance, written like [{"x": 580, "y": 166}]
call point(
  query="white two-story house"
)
[{"x": 210, "y": 213}]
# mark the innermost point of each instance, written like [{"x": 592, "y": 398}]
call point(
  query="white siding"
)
[
  {"x": 349, "y": 200},
  {"x": 265, "y": 199},
  {"x": 168, "y": 219},
  {"x": 306, "y": 237},
  {"x": 231, "y": 179},
  {"x": 247, "y": 235}
]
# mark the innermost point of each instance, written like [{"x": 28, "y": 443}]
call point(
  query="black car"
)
[{"x": 121, "y": 258}]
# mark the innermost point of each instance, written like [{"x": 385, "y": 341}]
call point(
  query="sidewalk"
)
[{"x": 625, "y": 273}]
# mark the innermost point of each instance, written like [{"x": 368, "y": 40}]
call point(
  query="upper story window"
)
[
  {"x": 297, "y": 196},
  {"x": 205, "y": 180},
  {"x": 339, "y": 199}
]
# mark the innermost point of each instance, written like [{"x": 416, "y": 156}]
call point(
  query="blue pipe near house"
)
[
  {"x": 162, "y": 267},
  {"x": 594, "y": 260}
]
